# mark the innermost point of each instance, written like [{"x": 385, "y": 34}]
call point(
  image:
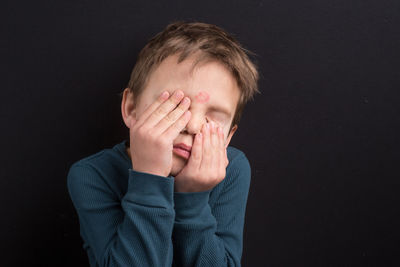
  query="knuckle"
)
[
  {"x": 170, "y": 117},
  {"x": 150, "y": 138},
  {"x": 142, "y": 131},
  {"x": 161, "y": 111},
  {"x": 180, "y": 123},
  {"x": 196, "y": 156},
  {"x": 151, "y": 134}
]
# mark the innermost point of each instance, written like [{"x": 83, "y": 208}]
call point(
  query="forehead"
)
[{"x": 210, "y": 83}]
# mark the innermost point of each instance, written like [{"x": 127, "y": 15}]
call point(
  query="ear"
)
[
  {"x": 127, "y": 108},
  {"x": 228, "y": 139}
]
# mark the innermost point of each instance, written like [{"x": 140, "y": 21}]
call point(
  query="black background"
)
[{"x": 321, "y": 137}]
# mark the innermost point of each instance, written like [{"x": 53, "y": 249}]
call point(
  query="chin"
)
[{"x": 177, "y": 164}]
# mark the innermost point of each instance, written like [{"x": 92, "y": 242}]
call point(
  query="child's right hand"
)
[{"x": 152, "y": 135}]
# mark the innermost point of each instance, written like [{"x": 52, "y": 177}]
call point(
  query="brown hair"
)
[{"x": 212, "y": 43}]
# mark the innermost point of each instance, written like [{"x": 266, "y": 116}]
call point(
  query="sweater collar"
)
[{"x": 121, "y": 147}]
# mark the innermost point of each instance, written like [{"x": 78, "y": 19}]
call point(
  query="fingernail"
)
[
  {"x": 178, "y": 94},
  {"x": 185, "y": 100},
  {"x": 164, "y": 95},
  {"x": 207, "y": 126}
]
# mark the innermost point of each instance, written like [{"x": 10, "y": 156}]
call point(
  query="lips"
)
[
  {"x": 182, "y": 150},
  {"x": 183, "y": 146}
]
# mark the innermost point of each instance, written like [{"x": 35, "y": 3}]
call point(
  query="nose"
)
[{"x": 195, "y": 123}]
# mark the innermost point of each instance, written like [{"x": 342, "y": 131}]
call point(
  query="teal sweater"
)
[{"x": 130, "y": 218}]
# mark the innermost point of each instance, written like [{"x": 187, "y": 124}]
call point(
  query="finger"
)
[
  {"x": 173, "y": 116},
  {"x": 176, "y": 128},
  {"x": 214, "y": 136},
  {"x": 164, "y": 109},
  {"x": 151, "y": 108},
  {"x": 224, "y": 148},
  {"x": 196, "y": 152},
  {"x": 221, "y": 147},
  {"x": 206, "y": 155},
  {"x": 221, "y": 137},
  {"x": 214, "y": 146}
]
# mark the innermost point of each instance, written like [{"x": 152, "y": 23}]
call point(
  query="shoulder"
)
[
  {"x": 100, "y": 170},
  {"x": 98, "y": 160},
  {"x": 92, "y": 164},
  {"x": 86, "y": 173},
  {"x": 237, "y": 158},
  {"x": 239, "y": 170}
]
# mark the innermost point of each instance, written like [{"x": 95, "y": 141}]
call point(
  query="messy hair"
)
[{"x": 208, "y": 43}]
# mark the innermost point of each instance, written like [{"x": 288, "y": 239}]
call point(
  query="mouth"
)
[{"x": 182, "y": 150}]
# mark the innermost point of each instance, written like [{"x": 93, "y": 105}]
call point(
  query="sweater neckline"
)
[{"x": 121, "y": 147}]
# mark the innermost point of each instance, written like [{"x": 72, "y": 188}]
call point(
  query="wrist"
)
[{"x": 152, "y": 171}]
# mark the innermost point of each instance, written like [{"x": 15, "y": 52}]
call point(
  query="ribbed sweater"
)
[{"x": 131, "y": 218}]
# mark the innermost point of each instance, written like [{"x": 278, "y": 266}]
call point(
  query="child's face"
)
[{"x": 211, "y": 89}]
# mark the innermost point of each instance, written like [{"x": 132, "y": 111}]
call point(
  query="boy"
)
[{"x": 174, "y": 193}]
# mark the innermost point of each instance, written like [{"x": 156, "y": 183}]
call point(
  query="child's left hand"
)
[{"x": 206, "y": 166}]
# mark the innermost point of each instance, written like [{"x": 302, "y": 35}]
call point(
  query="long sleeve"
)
[
  {"x": 133, "y": 231},
  {"x": 205, "y": 236}
]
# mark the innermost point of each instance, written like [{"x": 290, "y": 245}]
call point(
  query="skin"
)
[
  {"x": 210, "y": 84},
  {"x": 202, "y": 97}
]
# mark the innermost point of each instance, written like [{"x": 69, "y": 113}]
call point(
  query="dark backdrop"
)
[{"x": 321, "y": 138}]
